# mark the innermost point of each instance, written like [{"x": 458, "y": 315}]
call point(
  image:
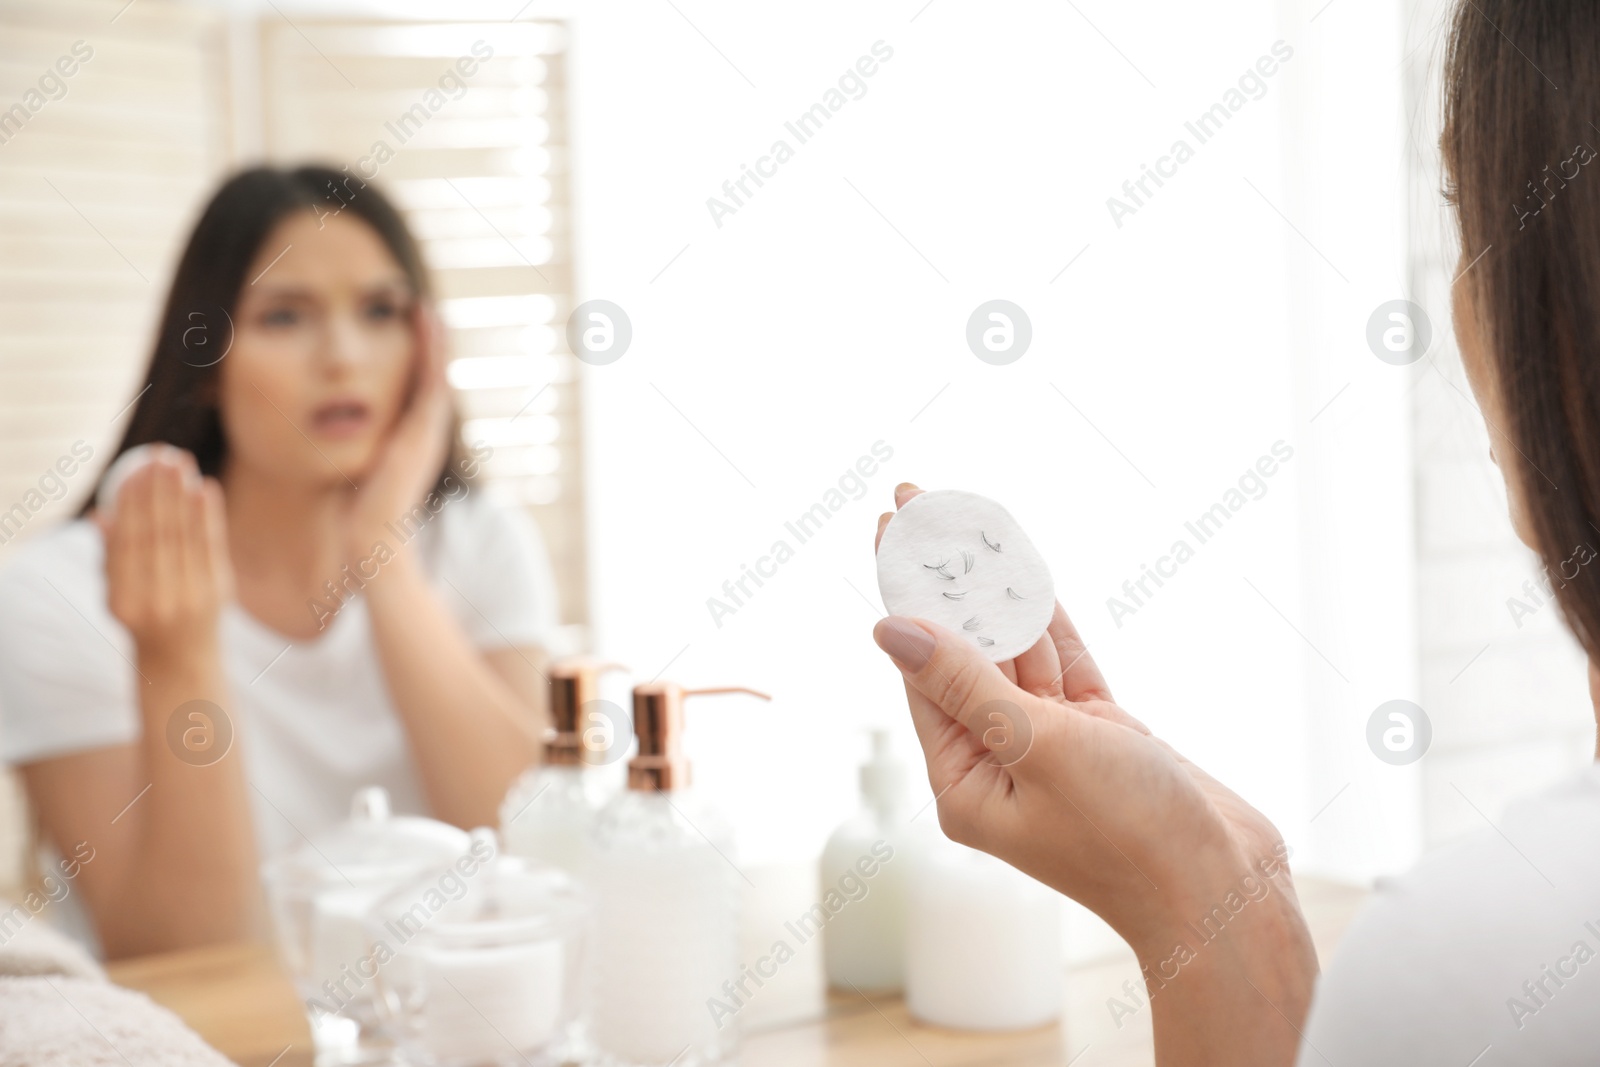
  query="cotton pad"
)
[
  {"x": 961, "y": 560},
  {"x": 105, "y": 498}
]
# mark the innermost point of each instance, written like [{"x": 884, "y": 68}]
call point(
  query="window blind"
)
[
  {"x": 463, "y": 125},
  {"x": 100, "y": 172}
]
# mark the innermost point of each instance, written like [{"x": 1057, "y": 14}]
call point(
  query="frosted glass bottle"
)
[
  {"x": 548, "y": 815},
  {"x": 668, "y": 936},
  {"x": 661, "y": 865},
  {"x": 864, "y": 944}
]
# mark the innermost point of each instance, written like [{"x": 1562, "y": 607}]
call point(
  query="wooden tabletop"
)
[{"x": 239, "y": 1000}]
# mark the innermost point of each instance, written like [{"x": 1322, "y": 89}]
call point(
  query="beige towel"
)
[
  {"x": 34, "y": 947},
  {"x": 57, "y": 1009},
  {"x": 81, "y": 1022}
]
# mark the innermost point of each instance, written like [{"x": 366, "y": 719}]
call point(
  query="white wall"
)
[
  {"x": 829, "y": 311},
  {"x": 1343, "y": 142}
]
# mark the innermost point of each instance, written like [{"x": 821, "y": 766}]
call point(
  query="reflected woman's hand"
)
[
  {"x": 168, "y": 572},
  {"x": 408, "y": 461},
  {"x": 1033, "y": 762}
]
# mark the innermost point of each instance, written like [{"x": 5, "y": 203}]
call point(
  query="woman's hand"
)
[
  {"x": 181, "y": 869},
  {"x": 408, "y": 461},
  {"x": 1032, "y": 762},
  {"x": 167, "y": 567}
]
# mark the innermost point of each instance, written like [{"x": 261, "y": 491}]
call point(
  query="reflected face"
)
[
  {"x": 323, "y": 349},
  {"x": 1470, "y": 340}
]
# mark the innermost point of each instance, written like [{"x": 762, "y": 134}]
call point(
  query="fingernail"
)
[
  {"x": 905, "y": 487},
  {"x": 909, "y": 644}
]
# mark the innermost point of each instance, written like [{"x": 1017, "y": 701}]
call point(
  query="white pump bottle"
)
[
  {"x": 863, "y": 946},
  {"x": 549, "y": 812},
  {"x": 667, "y": 893}
]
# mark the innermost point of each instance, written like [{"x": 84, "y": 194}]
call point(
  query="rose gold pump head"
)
[
  {"x": 658, "y": 723},
  {"x": 574, "y": 683}
]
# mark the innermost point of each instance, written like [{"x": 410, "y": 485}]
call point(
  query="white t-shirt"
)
[
  {"x": 314, "y": 718},
  {"x": 1486, "y": 953}
]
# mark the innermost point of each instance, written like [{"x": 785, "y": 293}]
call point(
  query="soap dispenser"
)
[
  {"x": 864, "y": 942},
  {"x": 548, "y": 813},
  {"x": 667, "y": 894}
]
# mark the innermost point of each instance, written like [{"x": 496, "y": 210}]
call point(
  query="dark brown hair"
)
[
  {"x": 1521, "y": 94},
  {"x": 178, "y": 401}
]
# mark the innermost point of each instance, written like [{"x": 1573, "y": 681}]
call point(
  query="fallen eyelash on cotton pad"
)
[{"x": 1000, "y": 597}]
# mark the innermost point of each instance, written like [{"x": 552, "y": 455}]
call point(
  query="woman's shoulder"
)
[
  {"x": 68, "y": 555},
  {"x": 479, "y": 528},
  {"x": 487, "y": 555},
  {"x": 1540, "y": 850},
  {"x": 480, "y": 509},
  {"x": 1477, "y": 945},
  {"x": 64, "y": 681}
]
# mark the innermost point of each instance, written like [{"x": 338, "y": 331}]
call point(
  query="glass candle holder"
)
[
  {"x": 319, "y": 894},
  {"x": 488, "y": 962}
]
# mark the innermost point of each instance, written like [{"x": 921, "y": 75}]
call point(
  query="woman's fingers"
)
[
  {"x": 1059, "y": 665},
  {"x": 419, "y": 439},
  {"x": 163, "y": 539},
  {"x": 1080, "y": 677},
  {"x": 432, "y": 386},
  {"x": 188, "y": 543},
  {"x": 214, "y": 530},
  {"x": 166, "y": 558},
  {"x": 1038, "y": 669},
  {"x": 956, "y": 678},
  {"x": 198, "y": 541},
  {"x": 132, "y": 536},
  {"x": 949, "y": 748},
  {"x": 431, "y": 341},
  {"x": 116, "y": 527}
]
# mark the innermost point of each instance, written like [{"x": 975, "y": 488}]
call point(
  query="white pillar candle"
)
[
  {"x": 487, "y": 1003},
  {"x": 983, "y": 941},
  {"x": 666, "y": 940},
  {"x": 339, "y": 940}
]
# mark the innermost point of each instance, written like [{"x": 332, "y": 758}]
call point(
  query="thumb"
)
[{"x": 957, "y": 678}]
